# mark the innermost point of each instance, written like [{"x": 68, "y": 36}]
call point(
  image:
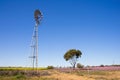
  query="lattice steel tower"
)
[{"x": 34, "y": 44}]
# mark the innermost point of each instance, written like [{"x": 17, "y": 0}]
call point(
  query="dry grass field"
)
[
  {"x": 84, "y": 75},
  {"x": 54, "y": 74}
]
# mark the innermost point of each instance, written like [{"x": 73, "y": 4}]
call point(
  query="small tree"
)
[{"x": 72, "y": 56}]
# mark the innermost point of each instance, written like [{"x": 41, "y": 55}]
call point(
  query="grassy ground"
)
[
  {"x": 99, "y": 75},
  {"x": 48, "y": 74}
]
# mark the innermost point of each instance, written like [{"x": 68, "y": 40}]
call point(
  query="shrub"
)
[
  {"x": 50, "y": 67},
  {"x": 20, "y": 76},
  {"x": 101, "y": 65},
  {"x": 79, "y": 65}
]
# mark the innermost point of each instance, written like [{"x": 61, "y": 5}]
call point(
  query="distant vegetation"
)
[
  {"x": 19, "y": 68},
  {"x": 50, "y": 67}
]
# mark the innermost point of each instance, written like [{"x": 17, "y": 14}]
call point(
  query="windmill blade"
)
[{"x": 37, "y": 16}]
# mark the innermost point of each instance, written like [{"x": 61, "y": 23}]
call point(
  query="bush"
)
[
  {"x": 20, "y": 76},
  {"x": 101, "y": 65},
  {"x": 79, "y": 65},
  {"x": 50, "y": 67}
]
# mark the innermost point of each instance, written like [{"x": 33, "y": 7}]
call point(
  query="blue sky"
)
[{"x": 92, "y": 26}]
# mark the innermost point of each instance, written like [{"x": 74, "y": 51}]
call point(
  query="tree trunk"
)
[{"x": 73, "y": 66}]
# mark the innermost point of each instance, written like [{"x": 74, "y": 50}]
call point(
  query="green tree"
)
[{"x": 72, "y": 56}]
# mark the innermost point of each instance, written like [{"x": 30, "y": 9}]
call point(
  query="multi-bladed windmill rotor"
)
[{"x": 38, "y": 16}]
